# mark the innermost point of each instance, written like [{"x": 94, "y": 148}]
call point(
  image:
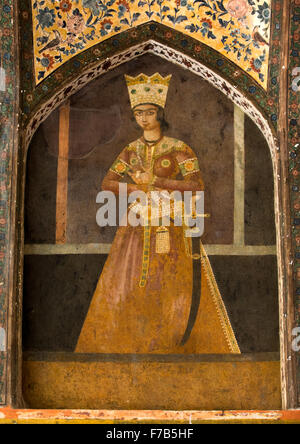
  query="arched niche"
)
[{"x": 171, "y": 55}]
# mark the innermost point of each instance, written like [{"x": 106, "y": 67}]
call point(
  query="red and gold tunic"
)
[{"x": 143, "y": 298}]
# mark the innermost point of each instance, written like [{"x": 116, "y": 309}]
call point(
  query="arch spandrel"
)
[{"x": 237, "y": 29}]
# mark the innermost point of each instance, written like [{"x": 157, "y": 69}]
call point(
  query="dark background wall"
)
[
  {"x": 101, "y": 126},
  {"x": 58, "y": 290}
]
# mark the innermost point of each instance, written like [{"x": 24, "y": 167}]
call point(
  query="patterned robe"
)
[{"x": 143, "y": 298}]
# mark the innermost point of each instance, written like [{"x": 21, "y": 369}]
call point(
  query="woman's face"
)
[{"x": 146, "y": 117}]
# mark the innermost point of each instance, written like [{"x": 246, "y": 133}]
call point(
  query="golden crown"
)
[{"x": 145, "y": 89}]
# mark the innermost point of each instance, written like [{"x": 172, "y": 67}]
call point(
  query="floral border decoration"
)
[
  {"x": 274, "y": 61},
  {"x": 294, "y": 153},
  {"x": 7, "y": 129},
  {"x": 238, "y": 29},
  {"x": 34, "y": 95}
]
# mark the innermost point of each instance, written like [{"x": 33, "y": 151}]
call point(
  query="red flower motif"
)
[
  {"x": 253, "y": 66},
  {"x": 124, "y": 3},
  {"x": 208, "y": 22},
  {"x": 105, "y": 22},
  {"x": 65, "y": 5},
  {"x": 50, "y": 59}
]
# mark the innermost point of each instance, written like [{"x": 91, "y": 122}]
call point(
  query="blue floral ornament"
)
[
  {"x": 206, "y": 24},
  {"x": 92, "y": 6},
  {"x": 122, "y": 11},
  {"x": 257, "y": 63},
  {"x": 105, "y": 27},
  {"x": 45, "y": 62},
  {"x": 274, "y": 81},
  {"x": 7, "y": 9},
  {"x": 264, "y": 13},
  {"x": 46, "y": 18},
  {"x": 77, "y": 12}
]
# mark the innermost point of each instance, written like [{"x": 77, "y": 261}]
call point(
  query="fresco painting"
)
[
  {"x": 64, "y": 69},
  {"x": 125, "y": 302}
]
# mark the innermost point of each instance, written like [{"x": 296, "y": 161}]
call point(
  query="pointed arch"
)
[{"x": 228, "y": 88}]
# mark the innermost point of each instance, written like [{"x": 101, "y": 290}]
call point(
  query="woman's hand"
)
[{"x": 141, "y": 178}]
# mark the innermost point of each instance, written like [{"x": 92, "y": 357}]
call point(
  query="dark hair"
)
[{"x": 164, "y": 125}]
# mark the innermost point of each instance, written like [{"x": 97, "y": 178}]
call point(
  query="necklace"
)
[{"x": 150, "y": 142}]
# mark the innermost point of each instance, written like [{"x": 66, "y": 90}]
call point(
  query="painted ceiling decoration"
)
[{"x": 238, "y": 29}]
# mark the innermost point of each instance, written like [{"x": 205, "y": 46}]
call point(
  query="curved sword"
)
[{"x": 196, "y": 294}]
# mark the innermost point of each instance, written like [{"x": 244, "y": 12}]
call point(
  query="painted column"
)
[
  {"x": 8, "y": 133},
  {"x": 62, "y": 174},
  {"x": 293, "y": 151}
]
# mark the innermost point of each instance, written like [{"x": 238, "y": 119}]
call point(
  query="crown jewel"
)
[{"x": 145, "y": 89}]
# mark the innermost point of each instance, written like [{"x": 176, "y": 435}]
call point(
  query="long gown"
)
[{"x": 143, "y": 298}]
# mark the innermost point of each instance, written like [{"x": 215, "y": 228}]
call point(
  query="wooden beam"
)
[
  {"x": 62, "y": 174},
  {"x": 211, "y": 250},
  {"x": 288, "y": 366},
  {"x": 239, "y": 177}
]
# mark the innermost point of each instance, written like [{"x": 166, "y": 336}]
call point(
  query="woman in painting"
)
[{"x": 146, "y": 297}]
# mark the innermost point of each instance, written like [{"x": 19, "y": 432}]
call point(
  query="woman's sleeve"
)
[
  {"x": 117, "y": 172},
  {"x": 189, "y": 168}
]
